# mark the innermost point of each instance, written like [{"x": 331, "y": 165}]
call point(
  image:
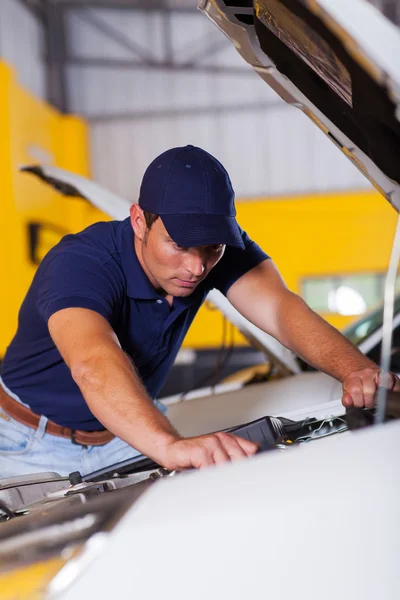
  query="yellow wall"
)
[
  {"x": 329, "y": 234},
  {"x": 32, "y": 132}
]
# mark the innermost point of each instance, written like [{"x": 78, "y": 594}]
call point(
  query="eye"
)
[
  {"x": 177, "y": 247},
  {"x": 216, "y": 247}
]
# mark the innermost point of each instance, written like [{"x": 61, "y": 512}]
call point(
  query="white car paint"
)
[
  {"x": 317, "y": 521},
  {"x": 298, "y": 396}
]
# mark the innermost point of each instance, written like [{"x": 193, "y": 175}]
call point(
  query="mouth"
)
[{"x": 186, "y": 284}]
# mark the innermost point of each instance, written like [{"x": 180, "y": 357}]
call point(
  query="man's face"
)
[{"x": 174, "y": 269}]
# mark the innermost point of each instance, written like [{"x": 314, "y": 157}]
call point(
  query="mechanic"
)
[{"x": 107, "y": 312}]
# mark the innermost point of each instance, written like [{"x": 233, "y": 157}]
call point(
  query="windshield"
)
[{"x": 361, "y": 329}]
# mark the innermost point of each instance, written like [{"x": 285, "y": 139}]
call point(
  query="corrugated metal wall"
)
[
  {"x": 268, "y": 147},
  {"x": 22, "y": 45}
]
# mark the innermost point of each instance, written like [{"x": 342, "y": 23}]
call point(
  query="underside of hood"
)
[{"x": 336, "y": 60}]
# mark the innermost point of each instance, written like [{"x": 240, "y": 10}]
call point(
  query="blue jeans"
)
[{"x": 24, "y": 450}]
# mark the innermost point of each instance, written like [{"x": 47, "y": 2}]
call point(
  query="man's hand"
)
[
  {"x": 360, "y": 386},
  {"x": 205, "y": 450}
]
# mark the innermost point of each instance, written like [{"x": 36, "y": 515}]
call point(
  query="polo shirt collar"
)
[{"x": 138, "y": 284}]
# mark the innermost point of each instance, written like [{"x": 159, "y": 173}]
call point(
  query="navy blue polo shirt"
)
[{"x": 98, "y": 269}]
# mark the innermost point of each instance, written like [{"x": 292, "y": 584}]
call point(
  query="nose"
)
[{"x": 195, "y": 262}]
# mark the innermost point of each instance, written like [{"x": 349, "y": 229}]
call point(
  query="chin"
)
[{"x": 182, "y": 292}]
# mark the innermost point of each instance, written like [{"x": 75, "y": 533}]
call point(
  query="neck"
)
[{"x": 139, "y": 253}]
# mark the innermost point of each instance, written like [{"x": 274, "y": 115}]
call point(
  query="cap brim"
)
[{"x": 190, "y": 230}]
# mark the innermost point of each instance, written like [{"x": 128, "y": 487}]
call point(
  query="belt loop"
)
[
  {"x": 73, "y": 439},
  {"x": 41, "y": 430}
]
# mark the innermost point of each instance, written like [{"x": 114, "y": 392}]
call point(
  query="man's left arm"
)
[{"x": 263, "y": 298}]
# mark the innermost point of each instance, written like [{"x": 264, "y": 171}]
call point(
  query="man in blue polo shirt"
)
[{"x": 108, "y": 310}]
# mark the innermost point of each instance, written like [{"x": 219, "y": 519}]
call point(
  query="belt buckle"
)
[{"x": 73, "y": 439}]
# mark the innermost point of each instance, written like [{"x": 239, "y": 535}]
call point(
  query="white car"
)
[{"x": 315, "y": 518}]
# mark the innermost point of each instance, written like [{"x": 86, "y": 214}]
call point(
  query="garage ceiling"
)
[{"x": 142, "y": 4}]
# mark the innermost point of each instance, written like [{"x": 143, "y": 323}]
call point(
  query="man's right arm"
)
[{"x": 115, "y": 395}]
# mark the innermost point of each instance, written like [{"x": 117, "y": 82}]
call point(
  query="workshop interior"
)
[{"x": 300, "y": 101}]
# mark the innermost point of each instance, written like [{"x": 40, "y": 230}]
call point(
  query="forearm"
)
[
  {"x": 317, "y": 342},
  {"x": 116, "y": 396}
]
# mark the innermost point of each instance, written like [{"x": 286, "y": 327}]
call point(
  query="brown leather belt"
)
[{"x": 24, "y": 415}]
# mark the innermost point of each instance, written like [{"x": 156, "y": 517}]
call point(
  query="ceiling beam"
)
[
  {"x": 57, "y": 86},
  {"x": 89, "y": 16},
  {"x": 144, "y": 5},
  {"x": 36, "y": 8},
  {"x": 112, "y": 63},
  {"x": 192, "y": 111}
]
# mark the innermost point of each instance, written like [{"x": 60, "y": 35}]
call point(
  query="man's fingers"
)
[
  {"x": 389, "y": 380},
  {"x": 354, "y": 387},
  {"x": 213, "y": 451},
  {"x": 220, "y": 455},
  {"x": 231, "y": 445},
  {"x": 369, "y": 390},
  {"x": 396, "y": 385},
  {"x": 249, "y": 448},
  {"x": 207, "y": 450},
  {"x": 360, "y": 387},
  {"x": 346, "y": 400}
]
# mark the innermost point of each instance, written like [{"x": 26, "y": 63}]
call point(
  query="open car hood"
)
[
  {"x": 338, "y": 62},
  {"x": 71, "y": 184}
]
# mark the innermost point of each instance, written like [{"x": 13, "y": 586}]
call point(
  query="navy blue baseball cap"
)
[{"x": 192, "y": 193}]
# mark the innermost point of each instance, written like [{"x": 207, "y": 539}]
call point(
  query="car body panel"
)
[
  {"x": 299, "y": 396},
  {"x": 305, "y": 523}
]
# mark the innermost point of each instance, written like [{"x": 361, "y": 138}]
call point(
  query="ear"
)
[{"x": 138, "y": 221}]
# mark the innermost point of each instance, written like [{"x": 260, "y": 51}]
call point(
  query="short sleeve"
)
[
  {"x": 235, "y": 263},
  {"x": 70, "y": 280}
]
